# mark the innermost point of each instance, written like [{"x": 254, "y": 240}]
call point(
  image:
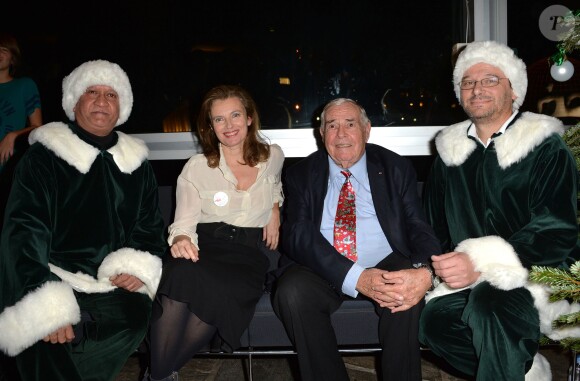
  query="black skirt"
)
[{"x": 223, "y": 287}]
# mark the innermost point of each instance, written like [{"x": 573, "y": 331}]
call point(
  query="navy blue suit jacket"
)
[{"x": 393, "y": 183}]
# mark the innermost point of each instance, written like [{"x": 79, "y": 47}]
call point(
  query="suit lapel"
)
[
  {"x": 381, "y": 200},
  {"x": 319, "y": 186}
]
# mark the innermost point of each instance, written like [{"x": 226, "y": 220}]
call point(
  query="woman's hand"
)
[
  {"x": 183, "y": 248},
  {"x": 7, "y": 147},
  {"x": 272, "y": 229}
]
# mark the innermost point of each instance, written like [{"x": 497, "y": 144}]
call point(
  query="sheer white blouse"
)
[{"x": 205, "y": 194}]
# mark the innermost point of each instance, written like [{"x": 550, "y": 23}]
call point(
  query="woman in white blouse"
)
[{"x": 227, "y": 217}]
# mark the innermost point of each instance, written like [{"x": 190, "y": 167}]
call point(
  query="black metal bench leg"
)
[{"x": 251, "y": 375}]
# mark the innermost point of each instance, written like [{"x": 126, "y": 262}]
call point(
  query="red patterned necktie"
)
[{"x": 345, "y": 221}]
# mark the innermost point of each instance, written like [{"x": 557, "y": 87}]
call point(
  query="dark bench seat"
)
[{"x": 355, "y": 322}]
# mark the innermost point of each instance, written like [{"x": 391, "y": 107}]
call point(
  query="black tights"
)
[{"x": 175, "y": 337}]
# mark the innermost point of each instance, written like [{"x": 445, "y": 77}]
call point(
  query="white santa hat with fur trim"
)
[
  {"x": 498, "y": 55},
  {"x": 94, "y": 73}
]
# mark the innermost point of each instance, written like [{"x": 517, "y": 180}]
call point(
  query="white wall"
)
[{"x": 406, "y": 141}]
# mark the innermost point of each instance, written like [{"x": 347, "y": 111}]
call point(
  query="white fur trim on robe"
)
[
  {"x": 128, "y": 153},
  {"x": 550, "y": 311},
  {"x": 141, "y": 264},
  {"x": 499, "y": 265},
  {"x": 41, "y": 312},
  {"x": 59, "y": 138},
  {"x": 527, "y": 132},
  {"x": 540, "y": 370},
  {"x": 497, "y": 261}
]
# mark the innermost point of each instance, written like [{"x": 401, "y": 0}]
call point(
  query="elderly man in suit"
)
[{"x": 355, "y": 228}]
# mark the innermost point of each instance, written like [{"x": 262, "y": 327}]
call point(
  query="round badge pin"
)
[{"x": 220, "y": 198}]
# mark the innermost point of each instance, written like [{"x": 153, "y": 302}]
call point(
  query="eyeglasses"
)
[{"x": 485, "y": 82}]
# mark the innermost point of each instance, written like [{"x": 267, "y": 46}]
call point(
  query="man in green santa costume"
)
[
  {"x": 82, "y": 238},
  {"x": 501, "y": 197}
]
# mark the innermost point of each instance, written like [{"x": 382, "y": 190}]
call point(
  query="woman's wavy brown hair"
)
[{"x": 255, "y": 147}]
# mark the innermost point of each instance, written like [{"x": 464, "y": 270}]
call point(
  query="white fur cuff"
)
[
  {"x": 141, "y": 264},
  {"x": 497, "y": 261},
  {"x": 540, "y": 370},
  {"x": 40, "y": 312}
]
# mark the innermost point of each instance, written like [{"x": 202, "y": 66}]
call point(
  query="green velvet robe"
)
[
  {"x": 83, "y": 214},
  {"x": 509, "y": 206},
  {"x": 522, "y": 188}
]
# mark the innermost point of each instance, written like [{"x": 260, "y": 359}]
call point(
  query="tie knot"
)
[{"x": 346, "y": 173}]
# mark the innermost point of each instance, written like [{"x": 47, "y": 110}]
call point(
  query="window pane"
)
[{"x": 293, "y": 56}]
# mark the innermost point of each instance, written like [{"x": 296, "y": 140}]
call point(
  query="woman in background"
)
[
  {"x": 19, "y": 100},
  {"x": 19, "y": 113},
  {"x": 227, "y": 216}
]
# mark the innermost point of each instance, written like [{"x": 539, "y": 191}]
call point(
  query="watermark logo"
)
[{"x": 549, "y": 22}]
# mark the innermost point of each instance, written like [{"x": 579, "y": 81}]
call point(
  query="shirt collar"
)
[
  {"x": 471, "y": 131},
  {"x": 358, "y": 170}
]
